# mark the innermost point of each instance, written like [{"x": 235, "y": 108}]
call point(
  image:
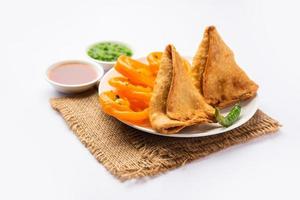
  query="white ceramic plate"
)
[{"x": 249, "y": 108}]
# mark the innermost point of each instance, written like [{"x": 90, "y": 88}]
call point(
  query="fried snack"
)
[
  {"x": 176, "y": 102},
  {"x": 216, "y": 74}
]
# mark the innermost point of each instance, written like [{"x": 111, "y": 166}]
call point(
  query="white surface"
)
[
  {"x": 249, "y": 108},
  {"x": 42, "y": 159}
]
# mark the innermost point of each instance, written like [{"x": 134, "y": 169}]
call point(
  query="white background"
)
[{"x": 40, "y": 158}]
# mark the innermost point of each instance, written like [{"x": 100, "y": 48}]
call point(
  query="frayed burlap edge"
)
[
  {"x": 84, "y": 138},
  {"x": 217, "y": 143},
  {"x": 156, "y": 161}
]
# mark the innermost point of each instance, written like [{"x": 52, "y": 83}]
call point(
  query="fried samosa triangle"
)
[
  {"x": 176, "y": 102},
  {"x": 216, "y": 74}
]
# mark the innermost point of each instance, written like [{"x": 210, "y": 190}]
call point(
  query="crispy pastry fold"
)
[
  {"x": 176, "y": 102},
  {"x": 216, "y": 74}
]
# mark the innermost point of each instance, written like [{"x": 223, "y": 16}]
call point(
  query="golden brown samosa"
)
[
  {"x": 176, "y": 102},
  {"x": 216, "y": 74}
]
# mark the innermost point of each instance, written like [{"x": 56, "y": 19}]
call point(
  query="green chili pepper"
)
[{"x": 230, "y": 118}]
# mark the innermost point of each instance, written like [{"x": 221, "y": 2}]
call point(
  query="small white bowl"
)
[
  {"x": 107, "y": 65},
  {"x": 71, "y": 89}
]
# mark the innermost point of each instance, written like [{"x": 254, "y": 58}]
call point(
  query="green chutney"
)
[{"x": 108, "y": 51}]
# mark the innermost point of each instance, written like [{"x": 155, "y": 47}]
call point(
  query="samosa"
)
[
  {"x": 176, "y": 102},
  {"x": 216, "y": 74}
]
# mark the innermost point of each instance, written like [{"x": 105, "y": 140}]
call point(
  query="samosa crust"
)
[
  {"x": 175, "y": 102},
  {"x": 221, "y": 81},
  {"x": 184, "y": 100},
  {"x": 158, "y": 104},
  {"x": 199, "y": 61}
]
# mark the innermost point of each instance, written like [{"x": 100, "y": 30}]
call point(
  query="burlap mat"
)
[{"x": 128, "y": 153}]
